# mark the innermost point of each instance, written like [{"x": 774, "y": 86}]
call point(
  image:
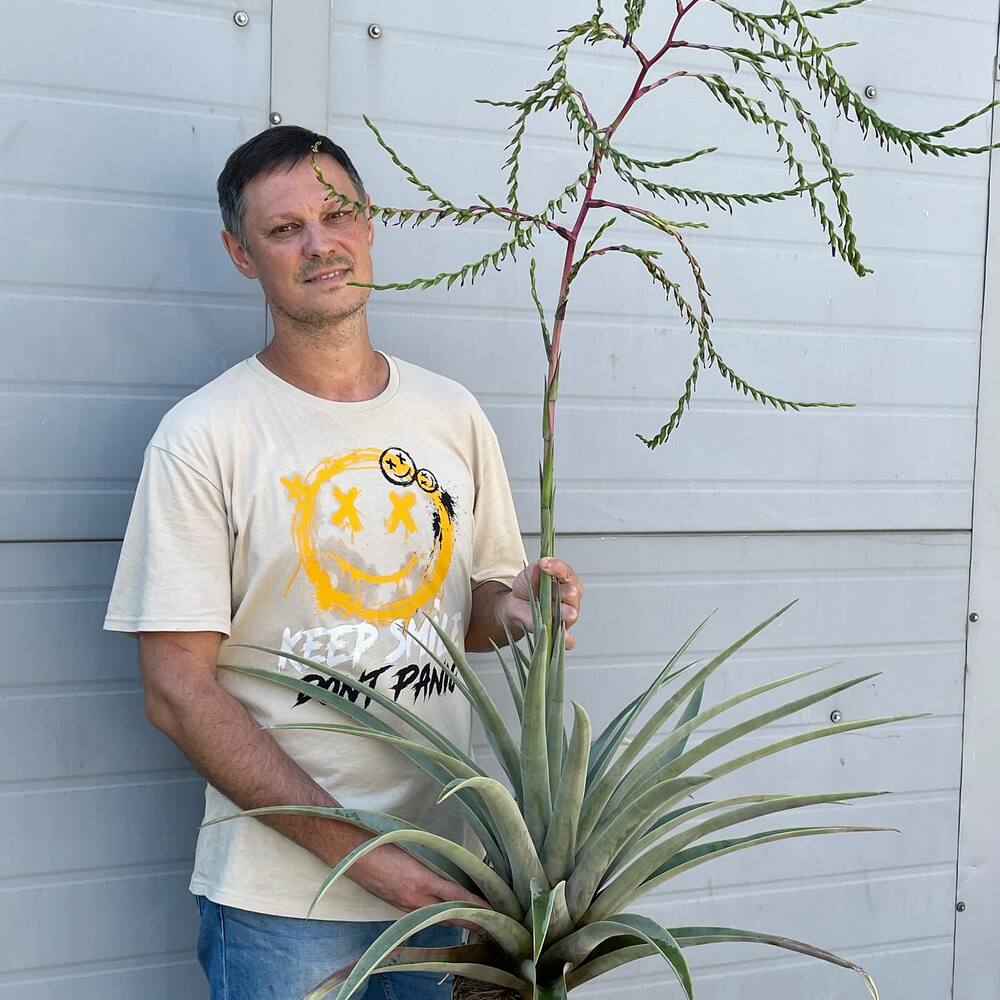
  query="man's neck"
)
[{"x": 344, "y": 372}]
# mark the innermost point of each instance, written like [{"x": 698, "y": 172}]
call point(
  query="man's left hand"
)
[{"x": 517, "y": 605}]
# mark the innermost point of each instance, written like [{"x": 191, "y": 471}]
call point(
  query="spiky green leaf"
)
[
  {"x": 512, "y": 831},
  {"x": 606, "y": 745},
  {"x": 630, "y": 881},
  {"x": 578, "y": 945},
  {"x": 494, "y": 727},
  {"x": 507, "y": 933},
  {"x": 596, "y": 856},
  {"x": 600, "y": 794},
  {"x": 689, "y": 937},
  {"x": 559, "y": 850},
  {"x": 534, "y": 747}
]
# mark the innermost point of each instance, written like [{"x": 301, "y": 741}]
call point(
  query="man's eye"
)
[
  {"x": 281, "y": 230},
  {"x": 339, "y": 216}
]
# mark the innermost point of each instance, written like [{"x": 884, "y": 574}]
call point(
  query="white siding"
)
[
  {"x": 116, "y": 298},
  {"x": 115, "y": 301},
  {"x": 977, "y": 960}
]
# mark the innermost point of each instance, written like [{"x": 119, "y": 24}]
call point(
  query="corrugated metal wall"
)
[
  {"x": 115, "y": 301},
  {"x": 864, "y": 515}
]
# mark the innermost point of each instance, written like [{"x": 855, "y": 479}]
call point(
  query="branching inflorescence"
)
[{"x": 783, "y": 44}]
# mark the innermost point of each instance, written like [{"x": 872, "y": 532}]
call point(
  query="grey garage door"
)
[{"x": 115, "y": 301}]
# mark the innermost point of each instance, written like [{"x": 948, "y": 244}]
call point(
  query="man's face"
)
[{"x": 302, "y": 248}]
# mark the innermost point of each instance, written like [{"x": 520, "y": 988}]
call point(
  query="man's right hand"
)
[{"x": 400, "y": 879}]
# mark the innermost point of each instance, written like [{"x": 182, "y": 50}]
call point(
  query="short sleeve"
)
[
  {"x": 497, "y": 549},
  {"x": 174, "y": 572}
]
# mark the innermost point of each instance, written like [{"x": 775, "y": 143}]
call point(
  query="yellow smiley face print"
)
[
  {"x": 426, "y": 481},
  {"x": 373, "y": 532},
  {"x": 397, "y": 466}
]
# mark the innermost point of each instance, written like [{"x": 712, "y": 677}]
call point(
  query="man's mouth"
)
[{"x": 332, "y": 277}]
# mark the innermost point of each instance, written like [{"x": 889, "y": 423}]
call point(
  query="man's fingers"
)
[
  {"x": 568, "y": 616},
  {"x": 571, "y": 594},
  {"x": 557, "y": 569},
  {"x": 452, "y": 893},
  {"x": 568, "y": 591},
  {"x": 570, "y": 586},
  {"x": 568, "y": 613}
]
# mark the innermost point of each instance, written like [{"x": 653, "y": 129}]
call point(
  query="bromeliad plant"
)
[
  {"x": 583, "y": 827},
  {"x": 586, "y": 825}
]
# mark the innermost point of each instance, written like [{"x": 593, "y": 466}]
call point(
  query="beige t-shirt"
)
[{"x": 327, "y": 529}]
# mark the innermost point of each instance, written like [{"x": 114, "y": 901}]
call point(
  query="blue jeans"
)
[{"x": 256, "y": 956}]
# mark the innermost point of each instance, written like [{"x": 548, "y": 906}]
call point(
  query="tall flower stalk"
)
[{"x": 583, "y": 826}]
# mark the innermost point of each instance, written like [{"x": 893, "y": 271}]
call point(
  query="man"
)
[{"x": 326, "y": 499}]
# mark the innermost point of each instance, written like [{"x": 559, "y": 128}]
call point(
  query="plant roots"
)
[{"x": 472, "y": 989}]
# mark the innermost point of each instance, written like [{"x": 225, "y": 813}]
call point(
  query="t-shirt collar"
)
[{"x": 329, "y": 405}]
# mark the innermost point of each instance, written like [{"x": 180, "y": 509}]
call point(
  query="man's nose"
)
[{"x": 318, "y": 240}]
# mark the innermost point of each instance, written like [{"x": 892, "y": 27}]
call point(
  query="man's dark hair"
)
[{"x": 281, "y": 146}]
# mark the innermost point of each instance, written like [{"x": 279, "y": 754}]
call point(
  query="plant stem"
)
[{"x": 550, "y": 613}]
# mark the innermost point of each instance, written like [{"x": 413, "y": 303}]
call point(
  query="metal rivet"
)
[
  {"x": 242, "y": 18},
  {"x": 836, "y": 716},
  {"x": 275, "y": 118},
  {"x": 374, "y": 30},
  {"x": 871, "y": 91},
  {"x": 960, "y": 906},
  {"x": 974, "y": 617}
]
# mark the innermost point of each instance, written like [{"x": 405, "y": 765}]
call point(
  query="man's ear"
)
[
  {"x": 242, "y": 261},
  {"x": 371, "y": 222}
]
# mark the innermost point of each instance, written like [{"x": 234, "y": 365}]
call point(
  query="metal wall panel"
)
[
  {"x": 116, "y": 299},
  {"x": 164, "y": 978},
  {"x": 977, "y": 960},
  {"x": 98, "y": 811},
  {"x": 140, "y": 915},
  {"x": 116, "y": 295}
]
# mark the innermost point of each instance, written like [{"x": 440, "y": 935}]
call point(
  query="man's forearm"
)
[
  {"x": 487, "y": 619},
  {"x": 243, "y": 761}
]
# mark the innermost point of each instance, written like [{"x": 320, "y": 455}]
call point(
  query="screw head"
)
[
  {"x": 374, "y": 30},
  {"x": 241, "y": 18},
  {"x": 960, "y": 906},
  {"x": 275, "y": 118},
  {"x": 836, "y": 716},
  {"x": 974, "y": 617},
  {"x": 871, "y": 91}
]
